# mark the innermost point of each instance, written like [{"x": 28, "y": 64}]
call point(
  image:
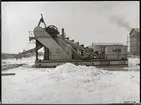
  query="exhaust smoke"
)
[{"x": 120, "y": 22}]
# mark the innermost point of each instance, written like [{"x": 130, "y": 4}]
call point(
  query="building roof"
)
[
  {"x": 105, "y": 44},
  {"x": 136, "y": 29}
]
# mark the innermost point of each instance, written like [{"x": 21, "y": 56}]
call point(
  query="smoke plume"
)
[{"x": 120, "y": 22}]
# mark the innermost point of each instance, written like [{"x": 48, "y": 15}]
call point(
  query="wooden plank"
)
[{"x": 7, "y": 74}]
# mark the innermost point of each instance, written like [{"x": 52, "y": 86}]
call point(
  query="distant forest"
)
[{"x": 13, "y": 56}]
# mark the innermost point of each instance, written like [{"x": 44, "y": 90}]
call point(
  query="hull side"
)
[{"x": 79, "y": 62}]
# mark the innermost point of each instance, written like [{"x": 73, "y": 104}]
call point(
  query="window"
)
[{"x": 117, "y": 50}]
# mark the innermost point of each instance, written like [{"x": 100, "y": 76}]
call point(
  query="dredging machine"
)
[{"x": 59, "y": 49}]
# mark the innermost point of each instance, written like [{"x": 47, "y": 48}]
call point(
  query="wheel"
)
[{"x": 52, "y": 30}]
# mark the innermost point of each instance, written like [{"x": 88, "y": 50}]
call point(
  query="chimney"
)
[{"x": 63, "y": 33}]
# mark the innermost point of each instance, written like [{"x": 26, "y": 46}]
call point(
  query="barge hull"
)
[{"x": 123, "y": 63}]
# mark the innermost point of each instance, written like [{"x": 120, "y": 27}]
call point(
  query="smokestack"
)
[{"x": 63, "y": 33}]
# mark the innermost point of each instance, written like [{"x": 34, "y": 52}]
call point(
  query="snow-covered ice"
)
[
  {"x": 133, "y": 61},
  {"x": 68, "y": 83},
  {"x": 133, "y": 64}
]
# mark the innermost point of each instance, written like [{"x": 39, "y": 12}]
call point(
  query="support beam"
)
[
  {"x": 46, "y": 53},
  {"x": 7, "y": 74},
  {"x": 37, "y": 50}
]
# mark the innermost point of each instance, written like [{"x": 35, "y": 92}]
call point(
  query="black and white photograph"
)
[{"x": 70, "y": 52}]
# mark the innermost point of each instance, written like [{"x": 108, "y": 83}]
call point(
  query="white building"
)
[{"x": 110, "y": 50}]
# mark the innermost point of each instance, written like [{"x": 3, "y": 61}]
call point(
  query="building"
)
[
  {"x": 134, "y": 41},
  {"x": 110, "y": 50}
]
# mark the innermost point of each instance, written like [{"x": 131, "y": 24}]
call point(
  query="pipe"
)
[{"x": 63, "y": 31}]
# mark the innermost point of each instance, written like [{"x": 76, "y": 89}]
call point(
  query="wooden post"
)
[
  {"x": 7, "y": 74},
  {"x": 46, "y": 53},
  {"x": 36, "y": 50}
]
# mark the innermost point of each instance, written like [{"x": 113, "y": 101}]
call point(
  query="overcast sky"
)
[{"x": 86, "y": 22}]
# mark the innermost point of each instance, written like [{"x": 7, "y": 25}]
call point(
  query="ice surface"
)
[
  {"x": 19, "y": 61},
  {"x": 68, "y": 83}
]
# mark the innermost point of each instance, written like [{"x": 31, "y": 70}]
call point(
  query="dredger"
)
[{"x": 59, "y": 49}]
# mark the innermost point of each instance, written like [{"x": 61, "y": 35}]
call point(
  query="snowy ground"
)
[{"x": 70, "y": 84}]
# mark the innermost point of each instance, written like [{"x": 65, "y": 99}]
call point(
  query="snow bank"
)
[
  {"x": 19, "y": 61},
  {"x": 71, "y": 84},
  {"x": 9, "y": 63},
  {"x": 69, "y": 70}
]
